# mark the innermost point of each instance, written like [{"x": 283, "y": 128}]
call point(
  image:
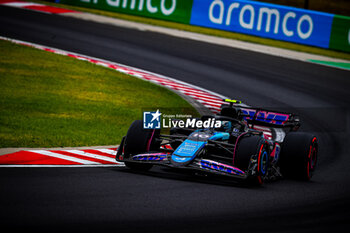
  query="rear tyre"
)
[
  {"x": 299, "y": 155},
  {"x": 248, "y": 146},
  {"x": 139, "y": 140}
]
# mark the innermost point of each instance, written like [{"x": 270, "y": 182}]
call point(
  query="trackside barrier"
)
[
  {"x": 265, "y": 20},
  {"x": 171, "y": 10},
  {"x": 340, "y": 36}
]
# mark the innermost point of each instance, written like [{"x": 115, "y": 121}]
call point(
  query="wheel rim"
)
[
  {"x": 262, "y": 163},
  {"x": 312, "y": 158}
]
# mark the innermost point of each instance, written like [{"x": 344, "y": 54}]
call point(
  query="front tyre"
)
[
  {"x": 299, "y": 155},
  {"x": 139, "y": 140},
  {"x": 253, "y": 148}
]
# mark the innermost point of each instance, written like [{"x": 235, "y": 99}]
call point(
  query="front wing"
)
[{"x": 204, "y": 165}]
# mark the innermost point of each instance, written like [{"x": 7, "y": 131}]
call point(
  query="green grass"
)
[
  {"x": 49, "y": 100},
  {"x": 208, "y": 31}
]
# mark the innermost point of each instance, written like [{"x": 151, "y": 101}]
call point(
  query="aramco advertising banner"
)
[
  {"x": 248, "y": 17},
  {"x": 264, "y": 20},
  {"x": 172, "y": 10}
]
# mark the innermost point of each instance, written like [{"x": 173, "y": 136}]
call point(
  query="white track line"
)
[
  {"x": 21, "y": 4},
  {"x": 274, "y": 51}
]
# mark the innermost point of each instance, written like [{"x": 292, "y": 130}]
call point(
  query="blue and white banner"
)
[{"x": 264, "y": 20}]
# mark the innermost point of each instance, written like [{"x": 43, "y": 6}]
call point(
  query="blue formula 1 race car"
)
[{"x": 253, "y": 145}]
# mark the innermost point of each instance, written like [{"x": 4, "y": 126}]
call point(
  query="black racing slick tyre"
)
[
  {"x": 139, "y": 140},
  {"x": 246, "y": 148},
  {"x": 299, "y": 155}
]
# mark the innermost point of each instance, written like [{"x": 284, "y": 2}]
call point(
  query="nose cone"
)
[{"x": 186, "y": 152}]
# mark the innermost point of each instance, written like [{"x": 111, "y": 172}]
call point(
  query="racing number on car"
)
[{"x": 203, "y": 136}]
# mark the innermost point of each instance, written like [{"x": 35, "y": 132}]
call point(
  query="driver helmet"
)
[{"x": 227, "y": 126}]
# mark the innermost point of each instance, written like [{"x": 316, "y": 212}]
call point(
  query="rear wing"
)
[
  {"x": 274, "y": 119},
  {"x": 264, "y": 117}
]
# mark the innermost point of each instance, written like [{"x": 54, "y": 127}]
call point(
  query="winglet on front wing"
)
[
  {"x": 146, "y": 157},
  {"x": 220, "y": 168},
  {"x": 150, "y": 157}
]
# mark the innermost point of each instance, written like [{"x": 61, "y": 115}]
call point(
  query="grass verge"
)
[
  {"x": 49, "y": 100},
  {"x": 208, "y": 31}
]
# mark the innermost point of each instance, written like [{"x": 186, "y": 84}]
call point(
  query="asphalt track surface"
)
[{"x": 115, "y": 199}]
